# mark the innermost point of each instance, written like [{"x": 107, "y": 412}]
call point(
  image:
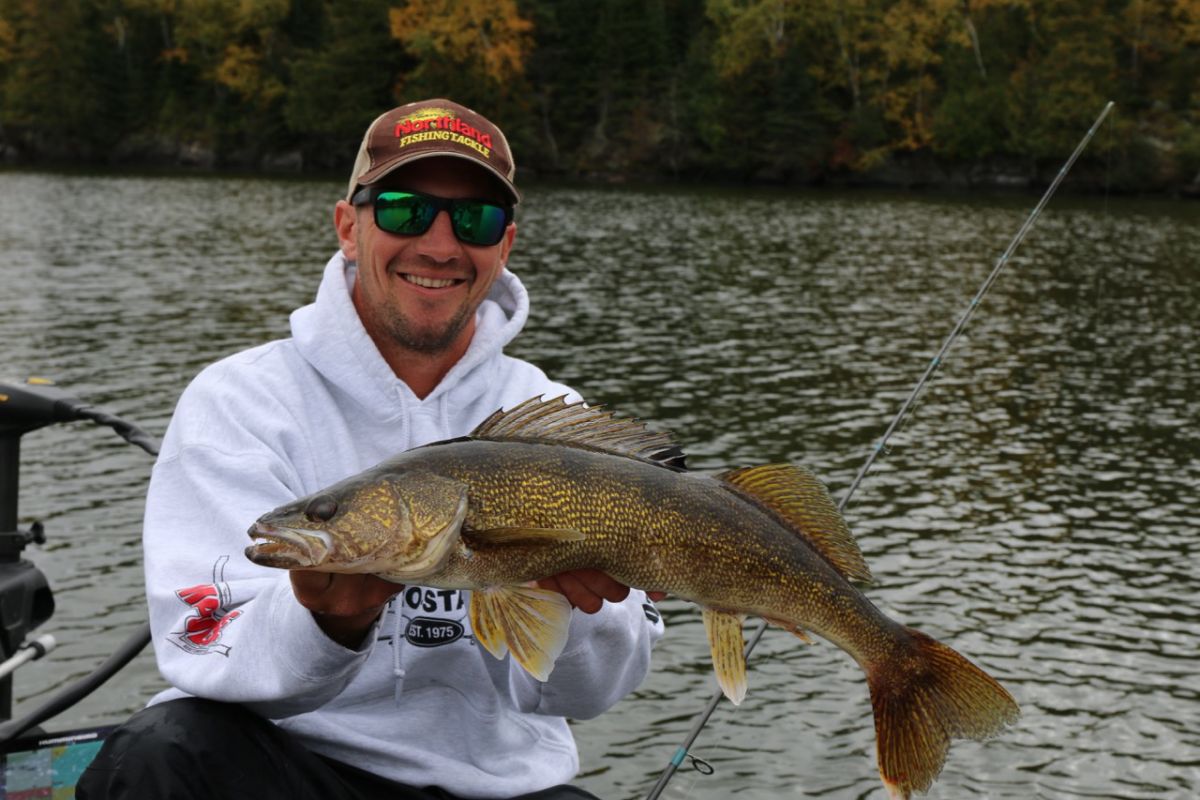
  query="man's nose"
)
[{"x": 439, "y": 242}]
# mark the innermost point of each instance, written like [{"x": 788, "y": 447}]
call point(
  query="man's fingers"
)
[
  {"x": 586, "y": 589},
  {"x": 601, "y": 584},
  {"x": 341, "y": 595},
  {"x": 343, "y": 606},
  {"x": 577, "y": 594},
  {"x": 310, "y": 583}
]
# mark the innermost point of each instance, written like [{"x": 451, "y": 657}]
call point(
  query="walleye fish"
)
[{"x": 550, "y": 486}]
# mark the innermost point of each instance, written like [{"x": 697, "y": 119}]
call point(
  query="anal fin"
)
[
  {"x": 530, "y": 623},
  {"x": 728, "y": 657}
]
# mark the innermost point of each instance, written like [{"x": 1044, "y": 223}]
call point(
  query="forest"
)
[{"x": 896, "y": 92}]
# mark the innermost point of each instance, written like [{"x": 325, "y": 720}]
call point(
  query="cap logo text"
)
[{"x": 440, "y": 125}]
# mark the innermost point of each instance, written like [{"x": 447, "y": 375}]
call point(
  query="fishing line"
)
[
  {"x": 1108, "y": 163},
  {"x": 1099, "y": 295},
  {"x": 1100, "y": 334},
  {"x": 701, "y": 720}
]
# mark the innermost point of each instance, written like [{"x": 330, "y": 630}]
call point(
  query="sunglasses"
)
[{"x": 478, "y": 222}]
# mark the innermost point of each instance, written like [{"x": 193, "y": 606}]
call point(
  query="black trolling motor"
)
[{"x": 26, "y": 600}]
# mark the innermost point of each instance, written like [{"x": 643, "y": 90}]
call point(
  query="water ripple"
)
[{"x": 1036, "y": 511}]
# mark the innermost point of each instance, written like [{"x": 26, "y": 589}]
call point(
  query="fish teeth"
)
[{"x": 314, "y": 546}]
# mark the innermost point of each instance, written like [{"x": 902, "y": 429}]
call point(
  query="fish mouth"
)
[{"x": 288, "y": 548}]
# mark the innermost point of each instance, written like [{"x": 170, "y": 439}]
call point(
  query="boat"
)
[{"x": 36, "y": 762}]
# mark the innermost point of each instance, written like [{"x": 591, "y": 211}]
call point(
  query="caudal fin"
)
[{"x": 923, "y": 698}]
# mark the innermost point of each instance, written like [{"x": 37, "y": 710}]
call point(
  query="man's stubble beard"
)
[
  {"x": 401, "y": 332},
  {"x": 428, "y": 342}
]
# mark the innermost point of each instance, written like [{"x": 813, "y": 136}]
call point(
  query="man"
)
[{"x": 372, "y": 689}]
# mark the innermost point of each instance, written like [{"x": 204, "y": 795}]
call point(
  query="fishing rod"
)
[{"x": 682, "y": 751}]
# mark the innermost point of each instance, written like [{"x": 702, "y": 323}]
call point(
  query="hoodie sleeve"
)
[{"x": 225, "y": 628}]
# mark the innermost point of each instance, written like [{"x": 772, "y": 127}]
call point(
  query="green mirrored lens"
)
[
  {"x": 478, "y": 223},
  {"x": 411, "y": 214},
  {"x": 404, "y": 213}
]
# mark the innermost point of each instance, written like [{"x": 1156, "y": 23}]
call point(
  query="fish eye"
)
[{"x": 321, "y": 509}]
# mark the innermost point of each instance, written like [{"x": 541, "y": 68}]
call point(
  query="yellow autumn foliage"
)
[
  {"x": 486, "y": 36},
  {"x": 7, "y": 38},
  {"x": 241, "y": 70}
]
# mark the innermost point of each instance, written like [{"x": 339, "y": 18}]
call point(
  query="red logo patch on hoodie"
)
[{"x": 202, "y": 630}]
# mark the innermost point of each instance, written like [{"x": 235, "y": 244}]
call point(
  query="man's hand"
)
[
  {"x": 343, "y": 606},
  {"x": 587, "y": 589}
]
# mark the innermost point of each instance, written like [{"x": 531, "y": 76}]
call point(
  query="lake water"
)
[{"x": 1037, "y": 511}]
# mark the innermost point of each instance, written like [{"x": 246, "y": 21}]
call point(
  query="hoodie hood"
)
[{"x": 330, "y": 336}]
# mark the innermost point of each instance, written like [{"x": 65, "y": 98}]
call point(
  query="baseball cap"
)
[{"x": 428, "y": 128}]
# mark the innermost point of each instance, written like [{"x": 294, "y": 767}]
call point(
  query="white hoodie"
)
[{"x": 421, "y": 702}]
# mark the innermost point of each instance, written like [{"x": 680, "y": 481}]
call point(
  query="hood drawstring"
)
[{"x": 397, "y": 639}]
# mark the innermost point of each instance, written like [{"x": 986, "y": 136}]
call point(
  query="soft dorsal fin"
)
[
  {"x": 577, "y": 425},
  {"x": 803, "y": 504}
]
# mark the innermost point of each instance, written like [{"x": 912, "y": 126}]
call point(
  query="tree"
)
[
  {"x": 49, "y": 53},
  {"x": 1064, "y": 79},
  {"x": 343, "y": 79},
  {"x": 472, "y": 49}
]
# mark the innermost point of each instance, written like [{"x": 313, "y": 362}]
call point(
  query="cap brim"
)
[{"x": 377, "y": 174}]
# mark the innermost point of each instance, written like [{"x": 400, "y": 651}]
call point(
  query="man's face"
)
[{"x": 419, "y": 294}]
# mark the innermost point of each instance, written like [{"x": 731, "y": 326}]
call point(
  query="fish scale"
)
[{"x": 624, "y": 509}]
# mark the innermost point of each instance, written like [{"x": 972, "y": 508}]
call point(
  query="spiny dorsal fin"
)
[
  {"x": 559, "y": 422},
  {"x": 803, "y": 504}
]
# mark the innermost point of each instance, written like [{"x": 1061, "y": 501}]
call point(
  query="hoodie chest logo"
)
[
  {"x": 433, "y": 617},
  {"x": 430, "y": 632}
]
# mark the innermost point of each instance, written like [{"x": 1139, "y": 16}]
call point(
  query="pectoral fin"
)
[
  {"x": 729, "y": 661},
  {"x": 528, "y": 622}
]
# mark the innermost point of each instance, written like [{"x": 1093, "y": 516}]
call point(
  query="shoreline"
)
[{"x": 917, "y": 173}]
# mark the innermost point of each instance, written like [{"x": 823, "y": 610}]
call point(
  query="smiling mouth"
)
[{"x": 430, "y": 283}]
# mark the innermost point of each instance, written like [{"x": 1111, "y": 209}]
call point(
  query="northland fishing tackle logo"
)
[
  {"x": 202, "y": 630},
  {"x": 440, "y": 124}
]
